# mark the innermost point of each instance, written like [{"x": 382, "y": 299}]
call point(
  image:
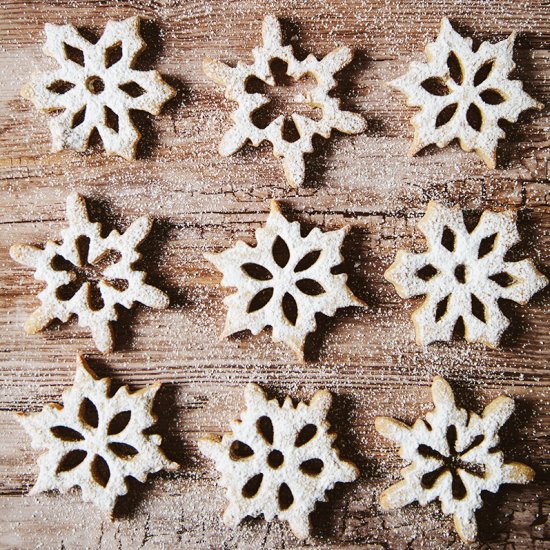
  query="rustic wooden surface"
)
[{"x": 202, "y": 202}]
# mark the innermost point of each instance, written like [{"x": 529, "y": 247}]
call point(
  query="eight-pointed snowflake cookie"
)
[
  {"x": 244, "y": 130},
  {"x": 453, "y": 458},
  {"x": 278, "y": 460},
  {"x": 463, "y": 275},
  {"x": 95, "y": 440},
  {"x": 284, "y": 281},
  {"x": 89, "y": 275},
  {"x": 95, "y": 87},
  {"x": 464, "y": 93}
]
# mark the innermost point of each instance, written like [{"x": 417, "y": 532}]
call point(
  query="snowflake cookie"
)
[
  {"x": 464, "y": 275},
  {"x": 95, "y": 87},
  {"x": 284, "y": 281},
  {"x": 278, "y": 460},
  {"x": 464, "y": 93},
  {"x": 95, "y": 440},
  {"x": 243, "y": 130},
  {"x": 89, "y": 275},
  {"x": 453, "y": 458}
]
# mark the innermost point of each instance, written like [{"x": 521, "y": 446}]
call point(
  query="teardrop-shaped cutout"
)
[
  {"x": 441, "y": 308},
  {"x": 458, "y": 488},
  {"x": 482, "y": 74},
  {"x": 111, "y": 119},
  {"x": 312, "y": 467},
  {"x": 448, "y": 239},
  {"x": 123, "y": 450},
  {"x": 78, "y": 118},
  {"x": 310, "y": 287},
  {"x": 260, "y": 300},
  {"x": 286, "y": 498},
  {"x": 60, "y": 87},
  {"x": 492, "y": 97},
  {"x": 455, "y": 68},
  {"x": 252, "y": 486},
  {"x": 265, "y": 428},
  {"x": 305, "y": 435},
  {"x": 486, "y": 245},
  {"x": 445, "y": 115},
  {"x": 74, "y": 54},
  {"x": 280, "y": 251},
  {"x": 113, "y": 54},
  {"x": 307, "y": 261},
  {"x": 478, "y": 309},
  {"x": 502, "y": 279},
  {"x": 435, "y": 86},
  {"x": 240, "y": 451},
  {"x": 257, "y": 271},
  {"x": 474, "y": 117},
  {"x": 66, "y": 434},
  {"x": 88, "y": 413},
  {"x": 100, "y": 471},
  {"x": 71, "y": 460},
  {"x": 427, "y": 272},
  {"x": 119, "y": 422},
  {"x": 290, "y": 308},
  {"x": 428, "y": 480},
  {"x": 133, "y": 89}
]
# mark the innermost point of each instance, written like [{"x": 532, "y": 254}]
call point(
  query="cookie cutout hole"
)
[
  {"x": 265, "y": 428},
  {"x": 435, "y": 86},
  {"x": 290, "y": 308},
  {"x": 312, "y": 467},
  {"x": 78, "y": 118},
  {"x": 428, "y": 480},
  {"x": 478, "y": 309},
  {"x": 111, "y": 119},
  {"x": 100, "y": 471},
  {"x": 455, "y": 68},
  {"x": 287, "y": 97},
  {"x": 66, "y": 434},
  {"x": 280, "y": 251},
  {"x": 88, "y": 413},
  {"x": 71, "y": 460},
  {"x": 119, "y": 422},
  {"x": 474, "y": 117},
  {"x": 309, "y": 260},
  {"x": 502, "y": 279},
  {"x": 492, "y": 97},
  {"x": 482, "y": 74},
  {"x": 275, "y": 459},
  {"x": 441, "y": 308},
  {"x": 260, "y": 300},
  {"x": 252, "y": 486},
  {"x": 478, "y": 440},
  {"x": 458, "y": 489},
  {"x": 113, "y": 55},
  {"x": 257, "y": 272},
  {"x": 445, "y": 115},
  {"x": 74, "y": 54},
  {"x": 460, "y": 273},
  {"x": 240, "y": 451},
  {"x": 95, "y": 85},
  {"x": 123, "y": 450},
  {"x": 306, "y": 434},
  {"x": 448, "y": 239},
  {"x": 427, "y": 272},
  {"x": 133, "y": 89},
  {"x": 60, "y": 87},
  {"x": 286, "y": 498},
  {"x": 310, "y": 287},
  {"x": 487, "y": 245}
]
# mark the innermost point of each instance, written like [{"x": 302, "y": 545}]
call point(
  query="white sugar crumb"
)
[{"x": 204, "y": 203}]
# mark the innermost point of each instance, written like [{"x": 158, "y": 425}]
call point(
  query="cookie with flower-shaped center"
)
[
  {"x": 463, "y": 94},
  {"x": 464, "y": 274},
  {"x": 96, "y": 87},
  {"x": 284, "y": 281},
  {"x": 453, "y": 458},
  {"x": 278, "y": 460}
]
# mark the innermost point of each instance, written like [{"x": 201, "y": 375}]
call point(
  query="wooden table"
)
[{"x": 202, "y": 202}]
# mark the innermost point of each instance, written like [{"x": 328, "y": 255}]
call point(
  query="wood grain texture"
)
[{"x": 202, "y": 202}]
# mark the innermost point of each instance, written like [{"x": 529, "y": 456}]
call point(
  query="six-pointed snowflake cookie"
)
[
  {"x": 80, "y": 281},
  {"x": 278, "y": 460},
  {"x": 284, "y": 281},
  {"x": 453, "y": 458},
  {"x": 96, "y": 441},
  {"x": 463, "y": 275},
  {"x": 464, "y": 93},
  {"x": 244, "y": 130},
  {"x": 95, "y": 87}
]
